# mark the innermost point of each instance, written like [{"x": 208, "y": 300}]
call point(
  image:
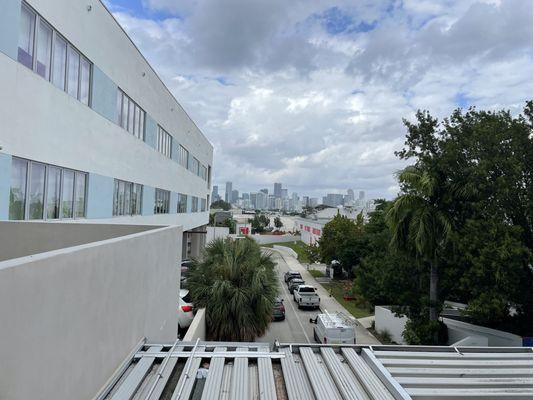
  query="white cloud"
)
[{"x": 313, "y": 96}]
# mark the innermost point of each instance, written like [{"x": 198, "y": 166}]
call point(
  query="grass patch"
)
[
  {"x": 298, "y": 246},
  {"x": 316, "y": 273},
  {"x": 356, "y": 307}
]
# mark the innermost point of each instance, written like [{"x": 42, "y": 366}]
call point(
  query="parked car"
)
[
  {"x": 278, "y": 313},
  {"x": 294, "y": 283},
  {"x": 292, "y": 277},
  {"x": 333, "y": 329},
  {"x": 306, "y": 296},
  {"x": 184, "y": 265},
  {"x": 185, "y": 309},
  {"x": 288, "y": 274}
]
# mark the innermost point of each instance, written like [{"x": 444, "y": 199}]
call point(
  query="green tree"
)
[
  {"x": 221, "y": 204},
  {"x": 277, "y": 222},
  {"x": 259, "y": 223},
  {"x": 342, "y": 240},
  {"x": 237, "y": 285}
]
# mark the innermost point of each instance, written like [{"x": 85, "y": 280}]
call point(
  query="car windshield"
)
[
  {"x": 307, "y": 290},
  {"x": 296, "y": 281}
]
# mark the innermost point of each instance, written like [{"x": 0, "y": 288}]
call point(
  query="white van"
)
[{"x": 333, "y": 329}]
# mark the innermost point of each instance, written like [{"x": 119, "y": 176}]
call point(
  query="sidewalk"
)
[{"x": 327, "y": 302}]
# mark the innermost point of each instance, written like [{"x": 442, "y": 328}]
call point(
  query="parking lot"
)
[{"x": 296, "y": 327}]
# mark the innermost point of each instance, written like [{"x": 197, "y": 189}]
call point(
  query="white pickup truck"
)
[{"x": 306, "y": 296}]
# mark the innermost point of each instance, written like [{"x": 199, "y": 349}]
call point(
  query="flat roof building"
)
[{"x": 89, "y": 130}]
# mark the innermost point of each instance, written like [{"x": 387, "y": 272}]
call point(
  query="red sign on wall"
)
[{"x": 244, "y": 230}]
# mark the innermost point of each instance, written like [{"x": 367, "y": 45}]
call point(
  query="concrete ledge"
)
[{"x": 197, "y": 328}]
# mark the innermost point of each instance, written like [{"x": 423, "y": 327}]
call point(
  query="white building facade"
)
[{"x": 89, "y": 132}]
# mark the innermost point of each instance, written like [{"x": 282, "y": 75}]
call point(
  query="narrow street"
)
[{"x": 296, "y": 327}]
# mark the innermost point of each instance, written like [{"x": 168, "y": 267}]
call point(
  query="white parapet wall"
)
[
  {"x": 268, "y": 239},
  {"x": 216, "y": 232},
  {"x": 387, "y": 321},
  {"x": 197, "y": 330},
  {"x": 458, "y": 330},
  {"x": 285, "y": 249},
  {"x": 70, "y": 316}
]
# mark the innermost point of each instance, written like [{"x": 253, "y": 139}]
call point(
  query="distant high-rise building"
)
[
  {"x": 227, "y": 194},
  {"x": 313, "y": 202},
  {"x": 246, "y": 196},
  {"x": 350, "y": 195},
  {"x": 261, "y": 201},
  {"x": 333, "y": 200},
  {"x": 284, "y": 193},
  {"x": 234, "y": 196},
  {"x": 361, "y": 195},
  {"x": 215, "y": 196},
  {"x": 265, "y": 191},
  {"x": 277, "y": 190},
  {"x": 305, "y": 201}
]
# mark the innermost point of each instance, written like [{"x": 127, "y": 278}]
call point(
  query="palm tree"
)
[
  {"x": 421, "y": 223},
  {"x": 237, "y": 285}
]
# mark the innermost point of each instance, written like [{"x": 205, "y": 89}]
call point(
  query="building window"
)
[
  {"x": 162, "y": 201},
  {"x": 183, "y": 156},
  {"x": 194, "y": 207},
  {"x": 127, "y": 198},
  {"x": 164, "y": 142},
  {"x": 41, "y": 191},
  {"x": 56, "y": 59},
  {"x": 130, "y": 116},
  {"x": 202, "y": 204},
  {"x": 26, "y": 36},
  {"x": 194, "y": 165},
  {"x": 182, "y": 203},
  {"x": 203, "y": 172}
]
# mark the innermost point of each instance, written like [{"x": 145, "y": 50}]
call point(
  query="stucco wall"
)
[
  {"x": 71, "y": 316},
  {"x": 386, "y": 320},
  {"x": 458, "y": 330},
  {"x": 267, "y": 239}
]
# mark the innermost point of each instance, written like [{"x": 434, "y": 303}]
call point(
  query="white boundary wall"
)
[
  {"x": 71, "y": 316},
  {"x": 386, "y": 320}
]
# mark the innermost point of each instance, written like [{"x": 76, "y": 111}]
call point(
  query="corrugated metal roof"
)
[{"x": 242, "y": 371}]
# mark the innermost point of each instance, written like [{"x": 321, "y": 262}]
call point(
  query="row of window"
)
[
  {"x": 130, "y": 116},
  {"x": 41, "y": 191},
  {"x": 42, "y": 49},
  {"x": 127, "y": 198}
]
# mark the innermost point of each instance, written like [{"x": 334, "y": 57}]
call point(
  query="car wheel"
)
[{"x": 299, "y": 305}]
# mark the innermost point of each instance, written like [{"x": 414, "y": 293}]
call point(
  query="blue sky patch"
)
[
  {"x": 137, "y": 9},
  {"x": 461, "y": 100}
]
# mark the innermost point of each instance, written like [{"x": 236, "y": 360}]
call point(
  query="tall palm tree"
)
[
  {"x": 421, "y": 223},
  {"x": 237, "y": 285}
]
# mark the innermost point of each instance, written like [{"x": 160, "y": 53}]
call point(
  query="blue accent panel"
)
[
  {"x": 5, "y": 185},
  {"x": 104, "y": 95},
  {"x": 100, "y": 196},
  {"x": 174, "y": 153},
  {"x": 9, "y": 28},
  {"x": 150, "y": 131},
  {"x": 148, "y": 200},
  {"x": 173, "y": 203}
]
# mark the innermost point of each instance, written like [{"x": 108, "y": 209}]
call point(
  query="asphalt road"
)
[{"x": 296, "y": 327}]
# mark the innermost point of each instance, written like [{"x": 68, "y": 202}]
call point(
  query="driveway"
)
[{"x": 296, "y": 327}]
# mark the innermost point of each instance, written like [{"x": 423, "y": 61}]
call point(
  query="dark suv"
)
[
  {"x": 278, "y": 313},
  {"x": 294, "y": 283},
  {"x": 292, "y": 274}
]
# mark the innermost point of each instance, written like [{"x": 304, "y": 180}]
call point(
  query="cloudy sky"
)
[{"x": 312, "y": 93}]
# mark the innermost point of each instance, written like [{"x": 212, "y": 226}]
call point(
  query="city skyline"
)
[{"x": 314, "y": 96}]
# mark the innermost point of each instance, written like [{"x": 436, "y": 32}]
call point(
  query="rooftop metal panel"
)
[
  {"x": 135, "y": 378},
  {"x": 322, "y": 384},
  {"x": 239, "y": 379},
  {"x": 311, "y": 371},
  {"x": 213, "y": 383}
]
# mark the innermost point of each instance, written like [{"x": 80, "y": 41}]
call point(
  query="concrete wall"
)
[
  {"x": 286, "y": 250},
  {"x": 197, "y": 329},
  {"x": 216, "y": 232},
  {"x": 267, "y": 239},
  {"x": 458, "y": 330},
  {"x": 386, "y": 320},
  {"x": 308, "y": 237},
  {"x": 71, "y": 316},
  {"x": 5, "y": 184}
]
